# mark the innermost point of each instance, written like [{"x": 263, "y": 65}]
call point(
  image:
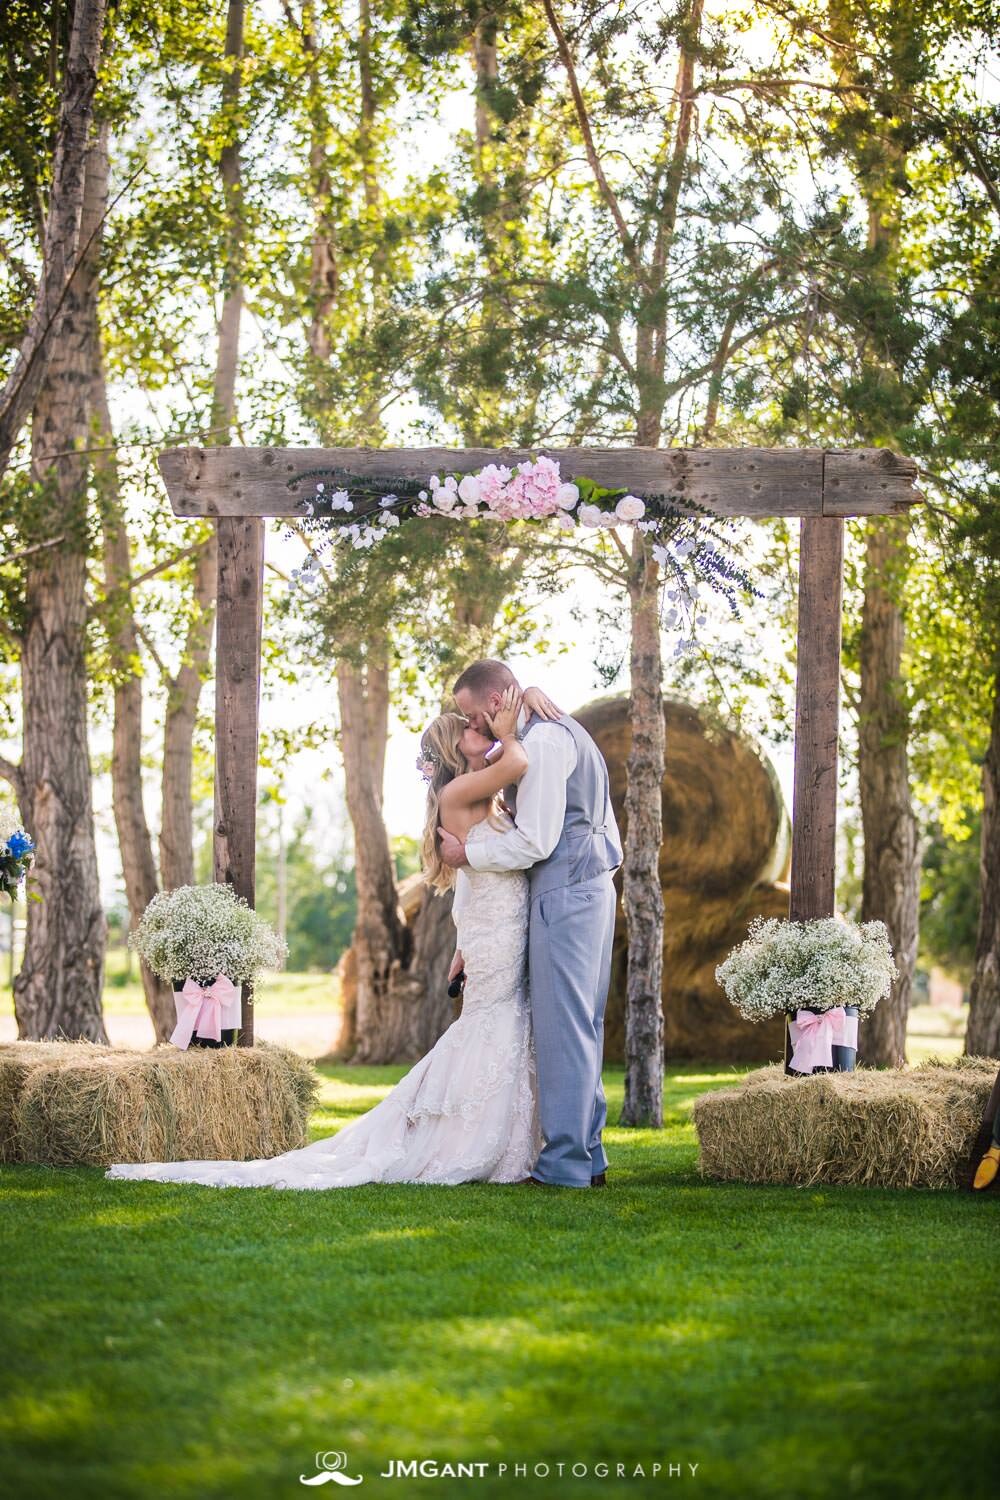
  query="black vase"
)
[
  {"x": 228, "y": 1034},
  {"x": 844, "y": 1058}
]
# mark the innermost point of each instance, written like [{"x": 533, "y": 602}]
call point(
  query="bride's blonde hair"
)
[{"x": 441, "y": 761}]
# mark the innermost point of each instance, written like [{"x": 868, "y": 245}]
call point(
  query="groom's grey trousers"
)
[
  {"x": 570, "y": 933},
  {"x": 569, "y": 970}
]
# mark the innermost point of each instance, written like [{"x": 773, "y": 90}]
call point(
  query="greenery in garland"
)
[{"x": 361, "y": 510}]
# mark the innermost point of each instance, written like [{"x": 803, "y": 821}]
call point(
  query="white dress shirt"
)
[{"x": 541, "y": 803}]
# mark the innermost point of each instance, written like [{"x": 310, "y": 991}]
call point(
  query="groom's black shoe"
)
[
  {"x": 599, "y": 1180},
  {"x": 535, "y": 1182}
]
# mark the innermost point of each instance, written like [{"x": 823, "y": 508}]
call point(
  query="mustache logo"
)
[{"x": 331, "y": 1467}]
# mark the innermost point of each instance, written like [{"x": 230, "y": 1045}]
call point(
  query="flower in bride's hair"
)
[{"x": 427, "y": 764}]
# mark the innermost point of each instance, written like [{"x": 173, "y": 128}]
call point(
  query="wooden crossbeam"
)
[{"x": 759, "y": 482}]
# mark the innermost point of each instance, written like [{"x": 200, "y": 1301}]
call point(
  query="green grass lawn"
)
[{"x": 205, "y": 1342}]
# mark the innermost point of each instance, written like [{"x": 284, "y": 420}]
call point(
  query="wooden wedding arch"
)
[{"x": 239, "y": 487}]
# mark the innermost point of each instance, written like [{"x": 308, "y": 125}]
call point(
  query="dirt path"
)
[{"x": 310, "y": 1033}]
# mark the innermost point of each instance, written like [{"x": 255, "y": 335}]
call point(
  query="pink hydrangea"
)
[
  {"x": 540, "y": 486},
  {"x": 492, "y": 481},
  {"x": 534, "y": 492}
]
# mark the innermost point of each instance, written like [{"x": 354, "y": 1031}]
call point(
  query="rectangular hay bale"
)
[
  {"x": 892, "y": 1127},
  {"x": 80, "y": 1104}
]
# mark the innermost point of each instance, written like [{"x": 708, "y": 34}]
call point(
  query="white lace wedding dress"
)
[{"x": 466, "y": 1112}]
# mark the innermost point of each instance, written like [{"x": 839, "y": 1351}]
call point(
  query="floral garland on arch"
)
[{"x": 351, "y": 510}]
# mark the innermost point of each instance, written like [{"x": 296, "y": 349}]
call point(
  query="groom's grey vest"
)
[{"x": 589, "y": 843}]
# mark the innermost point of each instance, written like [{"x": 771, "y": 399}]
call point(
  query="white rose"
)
[
  {"x": 630, "y": 508},
  {"x": 565, "y": 522},
  {"x": 443, "y": 499},
  {"x": 589, "y": 515},
  {"x": 469, "y": 489},
  {"x": 566, "y": 496}
]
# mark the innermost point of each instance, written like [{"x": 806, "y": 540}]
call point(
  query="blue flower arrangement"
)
[{"x": 16, "y": 857}]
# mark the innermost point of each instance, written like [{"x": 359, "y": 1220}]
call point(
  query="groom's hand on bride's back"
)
[{"x": 452, "y": 849}]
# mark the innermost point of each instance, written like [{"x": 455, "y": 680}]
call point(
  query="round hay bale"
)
[
  {"x": 76, "y": 1103},
  {"x": 892, "y": 1127},
  {"x": 725, "y": 859}
]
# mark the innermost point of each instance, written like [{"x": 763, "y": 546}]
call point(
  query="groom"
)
[{"x": 567, "y": 839}]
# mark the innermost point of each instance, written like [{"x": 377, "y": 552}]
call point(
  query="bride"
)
[{"x": 468, "y": 1110}]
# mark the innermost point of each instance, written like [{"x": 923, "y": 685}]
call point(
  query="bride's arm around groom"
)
[{"x": 541, "y": 806}]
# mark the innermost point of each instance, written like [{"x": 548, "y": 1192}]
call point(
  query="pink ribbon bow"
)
[
  {"x": 203, "y": 1005},
  {"x": 813, "y": 1037}
]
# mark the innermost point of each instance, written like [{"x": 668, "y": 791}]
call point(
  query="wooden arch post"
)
[
  {"x": 240, "y": 600},
  {"x": 817, "y": 718},
  {"x": 238, "y": 487}
]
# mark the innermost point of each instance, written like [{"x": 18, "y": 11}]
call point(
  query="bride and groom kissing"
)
[{"x": 519, "y": 824}]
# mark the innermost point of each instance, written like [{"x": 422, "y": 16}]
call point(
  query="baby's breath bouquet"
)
[
  {"x": 205, "y": 930},
  {"x": 206, "y": 941},
  {"x": 817, "y": 965}
]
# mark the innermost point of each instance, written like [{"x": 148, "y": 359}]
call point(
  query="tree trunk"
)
[
  {"x": 891, "y": 879},
  {"x": 183, "y": 694},
  {"x": 376, "y": 1025},
  {"x": 59, "y": 988},
  {"x": 380, "y": 938},
  {"x": 134, "y": 841},
  {"x": 982, "y": 1037},
  {"x": 62, "y": 237},
  {"x": 184, "y": 689},
  {"x": 643, "y": 893}
]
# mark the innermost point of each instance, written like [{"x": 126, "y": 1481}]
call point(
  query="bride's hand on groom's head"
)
[{"x": 503, "y": 721}]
